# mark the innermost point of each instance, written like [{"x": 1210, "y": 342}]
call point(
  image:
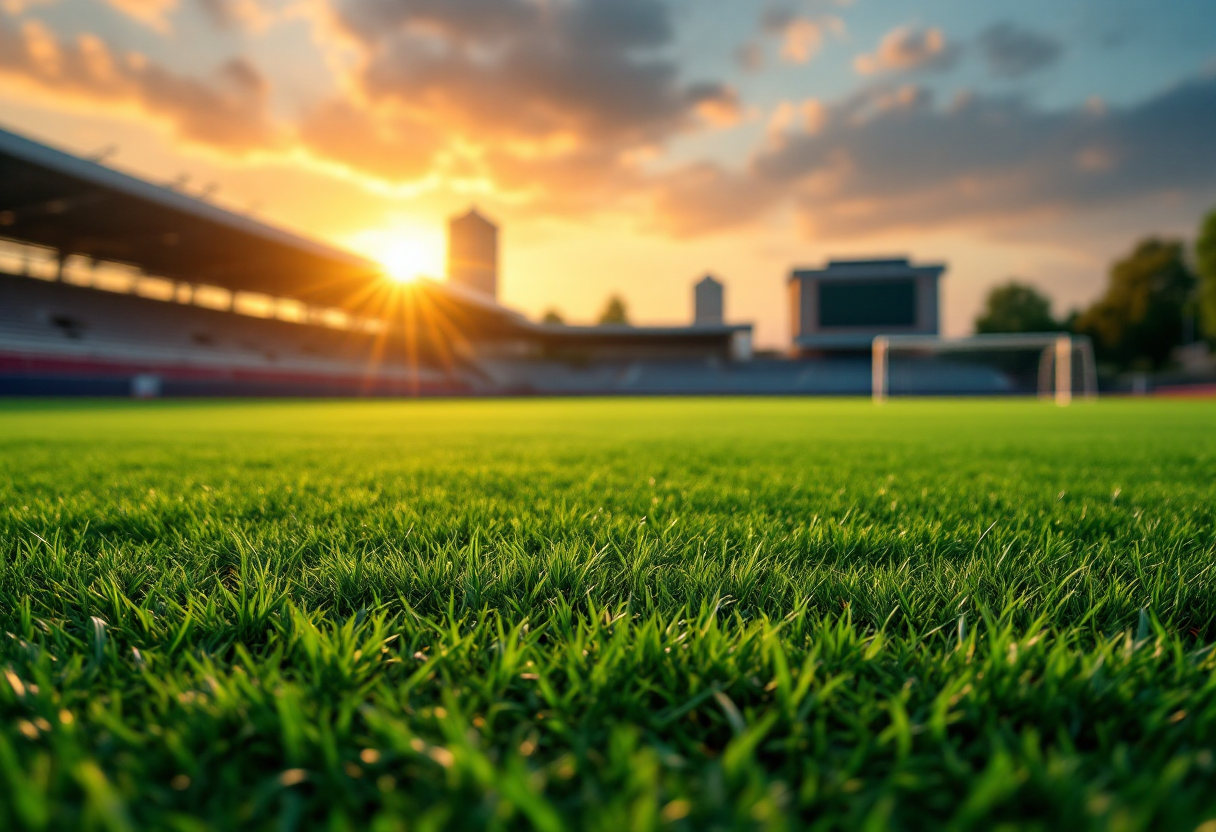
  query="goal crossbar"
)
[{"x": 1058, "y": 346}]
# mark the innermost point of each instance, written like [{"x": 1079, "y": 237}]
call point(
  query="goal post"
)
[{"x": 1065, "y": 362}]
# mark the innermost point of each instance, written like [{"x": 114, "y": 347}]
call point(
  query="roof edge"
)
[{"x": 62, "y": 162}]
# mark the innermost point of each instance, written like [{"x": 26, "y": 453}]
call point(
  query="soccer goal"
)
[{"x": 1051, "y": 365}]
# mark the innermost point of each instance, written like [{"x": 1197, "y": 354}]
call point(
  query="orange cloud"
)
[
  {"x": 554, "y": 103},
  {"x": 550, "y": 107},
  {"x": 395, "y": 149},
  {"x": 801, "y": 37},
  {"x": 802, "y": 40},
  {"x": 227, "y": 110},
  {"x": 237, "y": 14},
  {"x": 721, "y": 109},
  {"x": 149, "y": 12},
  {"x": 788, "y": 117},
  {"x": 906, "y": 48}
]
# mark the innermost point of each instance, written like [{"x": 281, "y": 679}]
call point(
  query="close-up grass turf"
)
[{"x": 607, "y": 615}]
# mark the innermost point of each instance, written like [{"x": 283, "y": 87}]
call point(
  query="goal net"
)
[{"x": 1051, "y": 365}]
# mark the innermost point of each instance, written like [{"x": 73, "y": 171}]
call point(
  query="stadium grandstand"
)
[{"x": 112, "y": 285}]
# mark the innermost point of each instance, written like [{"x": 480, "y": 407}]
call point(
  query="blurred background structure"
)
[
  {"x": 708, "y": 302},
  {"x": 111, "y": 285},
  {"x": 473, "y": 253},
  {"x": 844, "y": 307}
]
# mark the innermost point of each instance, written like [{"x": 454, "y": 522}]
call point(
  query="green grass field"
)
[{"x": 607, "y": 615}]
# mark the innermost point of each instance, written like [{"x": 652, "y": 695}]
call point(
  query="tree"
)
[
  {"x": 614, "y": 312},
  {"x": 1205, "y": 263},
  {"x": 552, "y": 316},
  {"x": 1138, "y": 322},
  {"x": 1016, "y": 307}
]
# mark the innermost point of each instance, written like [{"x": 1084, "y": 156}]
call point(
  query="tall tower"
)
[
  {"x": 707, "y": 302},
  {"x": 473, "y": 253}
]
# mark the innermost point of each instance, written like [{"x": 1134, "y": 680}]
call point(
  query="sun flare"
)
[
  {"x": 404, "y": 260},
  {"x": 404, "y": 252}
]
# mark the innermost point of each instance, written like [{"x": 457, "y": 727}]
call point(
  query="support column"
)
[
  {"x": 1064, "y": 370},
  {"x": 878, "y": 369}
]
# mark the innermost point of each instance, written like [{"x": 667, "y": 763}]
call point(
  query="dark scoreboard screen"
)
[{"x": 867, "y": 303}]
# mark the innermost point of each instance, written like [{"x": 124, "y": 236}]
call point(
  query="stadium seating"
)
[{"x": 130, "y": 334}]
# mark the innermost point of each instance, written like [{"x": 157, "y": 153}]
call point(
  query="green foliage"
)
[
  {"x": 607, "y": 615},
  {"x": 552, "y": 316},
  {"x": 1016, "y": 307},
  {"x": 1138, "y": 322},
  {"x": 614, "y": 312},
  {"x": 1205, "y": 262}
]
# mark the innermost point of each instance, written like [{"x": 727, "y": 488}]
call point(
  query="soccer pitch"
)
[{"x": 607, "y": 615}]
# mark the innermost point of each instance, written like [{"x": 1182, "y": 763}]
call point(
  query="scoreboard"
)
[{"x": 867, "y": 303}]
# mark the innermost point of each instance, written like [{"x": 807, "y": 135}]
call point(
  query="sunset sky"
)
[{"x": 629, "y": 146}]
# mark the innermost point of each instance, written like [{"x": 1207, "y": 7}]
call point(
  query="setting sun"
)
[
  {"x": 404, "y": 260},
  {"x": 405, "y": 253}
]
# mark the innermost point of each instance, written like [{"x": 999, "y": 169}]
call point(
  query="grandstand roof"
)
[{"x": 77, "y": 206}]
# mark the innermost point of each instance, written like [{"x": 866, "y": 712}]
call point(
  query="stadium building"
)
[
  {"x": 840, "y": 309},
  {"x": 112, "y": 285}
]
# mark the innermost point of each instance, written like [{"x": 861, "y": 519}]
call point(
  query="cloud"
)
[
  {"x": 801, "y": 36},
  {"x": 531, "y": 85},
  {"x": 891, "y": 159},
  {"x": 149, "y": 12},
  {"x": 905, "y": 49},
  {"x": 527, "y": 70},
  {"x": 719, "y": 106},
  {"x": 802, "y": 40},
  {"x": 228, "y": 15},
  {"x": 227, "y": 110},
  {"x": 789, "y": 118},
  {"x": 390, "y": 148},
  {"x": 1011, "y": 51},
  {"x": 553, "y": 105},
  {"x": 704, "y": 197}
]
